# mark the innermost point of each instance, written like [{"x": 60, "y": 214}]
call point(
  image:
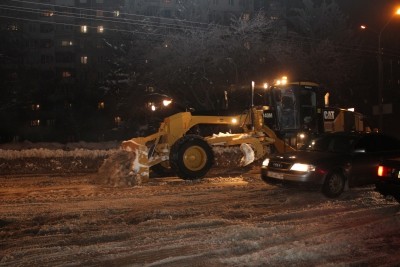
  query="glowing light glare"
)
[
  {"x": 351, "y": 109},
  {"x": 302, "y": 136},
  {"x": 166, "y": 102},
  {"x": 302, "y": 167},
  {"x": 281, "y": 81},
  {"x": 265, "y": 162},
  {"x": 363, "y": 27},
  {"x": 234, "y": 121},
  {"x": 153, "y": 108},
  {"x": 398, "y": 11},
  {"x": 265, "y": 85}
]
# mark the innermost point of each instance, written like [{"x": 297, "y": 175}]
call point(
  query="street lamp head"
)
[{"x": 363, "y": 27}]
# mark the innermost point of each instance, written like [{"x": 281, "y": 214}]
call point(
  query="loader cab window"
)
[
  {"x": 286, "y": 108},
  {"x": 295, "y": 107},
  {"x": 308, "y": 108}
]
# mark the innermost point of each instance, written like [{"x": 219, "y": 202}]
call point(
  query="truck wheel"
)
[
  {"x": 191, "y": 157},
  {"x": 333, "y": 185}
]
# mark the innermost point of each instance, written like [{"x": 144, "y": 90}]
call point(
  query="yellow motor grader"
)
[
  {"x": 191, "y": 156},
  {"x": 290, "y": 113}
]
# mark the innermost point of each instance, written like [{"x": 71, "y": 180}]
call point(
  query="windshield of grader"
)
[{"x": 295, "y": 107}]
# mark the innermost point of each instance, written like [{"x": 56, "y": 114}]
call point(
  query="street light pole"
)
[
  {"x": 380, "y": 69},
  {"x": 380, "y": 77}
]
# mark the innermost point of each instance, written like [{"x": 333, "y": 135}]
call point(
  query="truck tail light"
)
[{"x": 384, "y": 172}]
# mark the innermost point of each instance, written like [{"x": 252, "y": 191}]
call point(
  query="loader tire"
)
[{"x": 191, "y": 157}]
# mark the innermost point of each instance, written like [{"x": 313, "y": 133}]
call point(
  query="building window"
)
[
  {"x": 46, "y": 59},
  {"x": 116, "y": 13},
  {"x": 100, "y": 105},
  {"x": 66, "y": 74},
  {"x": 46, "y": 43},
  {"x": 117, "y": 121},
  {"x": 84, "y": 59},
  {"x": 99, "y": 13},
  {"x": 100, "y": 29},
  {"x": 13, "y": 27},
  {"x": 48, "y": 13},
  {"x": 67, "y": 43},
  {"x": 35, "y": 106},
  {"x": 51, "y": 122},
  {"x": 100, "y": 44},
  {"x": 45, "y": 28},
  {"x": 84, "y": 28},
  {"x": 35, "y": 123}
]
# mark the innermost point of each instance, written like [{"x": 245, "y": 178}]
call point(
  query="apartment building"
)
[
  {"x": 56, "y": 49},
  {"x": 204, "y": 11}
]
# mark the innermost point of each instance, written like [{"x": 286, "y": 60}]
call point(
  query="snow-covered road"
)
[{"x": 218, "y": 221}]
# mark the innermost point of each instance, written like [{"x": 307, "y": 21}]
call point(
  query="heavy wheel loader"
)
[{"x": 290, "y": 113}]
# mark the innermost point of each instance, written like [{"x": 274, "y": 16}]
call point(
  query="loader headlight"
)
[
  {"x": 300, "y": 167},
  {"x": 265, "y": 162}
]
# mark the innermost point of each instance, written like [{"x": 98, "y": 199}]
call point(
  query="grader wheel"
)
[{"x": 191, "y": 157}]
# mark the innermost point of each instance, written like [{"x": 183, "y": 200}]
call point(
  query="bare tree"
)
[{"x": 318, "y": 45}]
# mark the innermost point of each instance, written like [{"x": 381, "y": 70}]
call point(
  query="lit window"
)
[
  {"x": 48, "y": 13},
  {"x": 116, "y": 13},
  {"x": 100, "y": 29},
  {"x": 84, "y": 28},
  {"x": 117, "y": 121},
  {"x": 35, "y": 106},
  {"x": 35, "y": 123},
  {"x": 66, "y": 74},
  {"x": 13, "y": 27},
  {"x": 84, "y": 59},
  {"x": 99, "y": 13},
  {"x": 100, "y": 105},
  {"x": 67, "y": 43}
]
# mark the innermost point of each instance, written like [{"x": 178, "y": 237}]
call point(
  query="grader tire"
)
[{"x": 191, "y": 157}]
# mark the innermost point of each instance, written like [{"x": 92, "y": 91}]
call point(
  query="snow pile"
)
[
  {"x": 51, "y": 153},
  {"x": 119, "y": 170}
]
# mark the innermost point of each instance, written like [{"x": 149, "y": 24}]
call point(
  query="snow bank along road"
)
[{"x": 220, "y": 221}]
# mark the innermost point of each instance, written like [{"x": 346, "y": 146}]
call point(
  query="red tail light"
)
[{"x": 384, "y": 171}]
